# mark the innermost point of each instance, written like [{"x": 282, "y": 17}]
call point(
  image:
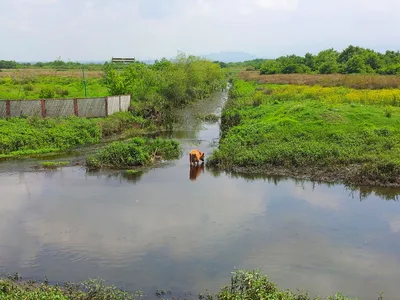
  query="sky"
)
[{"x": 80, "y": 30}]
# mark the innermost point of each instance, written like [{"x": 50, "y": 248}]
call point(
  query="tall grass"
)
[
  {"x": 356, "y": 81},
  {"x": 32, "y": 74}
]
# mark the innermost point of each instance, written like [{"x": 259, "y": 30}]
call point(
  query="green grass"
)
[
  {"x": 307, "y": 130},
  {"x": 54, "y": 164},
  {"x": 36, "y": 87},
  {"x": 249, "y": 285},
  {"x": 33, "y": 135},
  {"x": 135, "y": 153},
  {"x": 11, "y": 289}
]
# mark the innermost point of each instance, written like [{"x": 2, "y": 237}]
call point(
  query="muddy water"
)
[{"x": 186, "y": 230}]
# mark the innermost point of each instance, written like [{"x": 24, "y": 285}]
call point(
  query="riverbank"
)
[
  {"x": 156, "y": 91},
  {"x": 332, "y": 134},
  {"x": 245, "y": 284},
  {"x": 21, "y": 137}
]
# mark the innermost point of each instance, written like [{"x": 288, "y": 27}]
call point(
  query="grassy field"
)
[
  {"x": 250, "y": 285},
  {"x": 322, "y": 133},
  {"x": 35, "y": 84},
  {"x": 355, "y": 81},
  {"x": 21, "y": 74}
]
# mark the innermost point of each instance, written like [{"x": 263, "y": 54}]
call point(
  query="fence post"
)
[
  {"x": 119, "y": 102},
  {"x": 8, "y": 108},
  {"x": 76, "y": 107},
  {"x": 106, "y": 102},
  {"x": 43, "y": 102}
]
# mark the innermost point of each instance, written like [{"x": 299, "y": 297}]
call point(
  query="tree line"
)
[
  {"x": 352, "y": 60},
  {"x": 56, "y": 64}
]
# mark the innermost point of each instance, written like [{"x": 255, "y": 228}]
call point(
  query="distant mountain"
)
[
  {"x": 229, "y": 56},
  {"x": 148, "y": 61}
]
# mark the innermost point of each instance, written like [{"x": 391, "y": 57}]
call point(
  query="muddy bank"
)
[{"x": 350, "y": 175}]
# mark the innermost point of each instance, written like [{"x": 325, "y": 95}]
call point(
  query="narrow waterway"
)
[{"x": 186, "y": 230}]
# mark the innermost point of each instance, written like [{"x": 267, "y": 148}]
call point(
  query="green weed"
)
[
  {"x": 137, "y": 152},
  {"x": 54, "y": 165}
]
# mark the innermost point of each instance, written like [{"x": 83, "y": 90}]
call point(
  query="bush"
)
[
  {"x": 254, "y": 285},
  {"x": 28, "y": 87},
  {"x": 136, "y": 152},
  {"x": 46, "y": 93},
  {"x": 62, "y": 92},
  {"x": 165, "y": 85},
  {"x": 329, "y": 68},
  {"x": 120, "y": 122}
]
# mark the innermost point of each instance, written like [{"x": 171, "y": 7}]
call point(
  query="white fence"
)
[{"x": 81, "y": 107}]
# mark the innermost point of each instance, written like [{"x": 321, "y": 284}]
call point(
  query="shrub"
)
[
  {"x": 254, "y": 285},
  {"x": 134, "y": 153},
  {"x": 62, "y": 92},
  {"x": 28, "y": 87},
  {"x": 46, "y": 93}
]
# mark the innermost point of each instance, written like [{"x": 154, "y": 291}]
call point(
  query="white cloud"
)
[
  {"x": 278, "y": 4},
  {"x": 394, "y": 224},
  {"x": 319, "y": 197},
  {"x": 99, "y": 29}
]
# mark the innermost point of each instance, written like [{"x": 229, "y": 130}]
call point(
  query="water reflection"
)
[
  {"x": 360, "y": 192},
  {"x": 72, "y": 224},
  {"x": 195, "y": 171},
  {"x": 133, "y": 176}
]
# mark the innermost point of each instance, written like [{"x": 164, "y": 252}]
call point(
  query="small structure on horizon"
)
[{"x": 124, "y": 60}]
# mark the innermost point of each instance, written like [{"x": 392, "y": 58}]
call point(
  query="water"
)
[{"x": 160, "y": 229}]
